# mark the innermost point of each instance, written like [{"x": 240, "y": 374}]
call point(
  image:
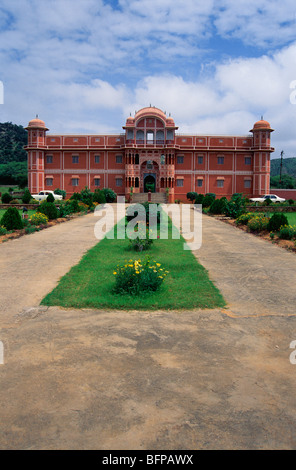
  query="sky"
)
[{"x": 217, "y": 66}]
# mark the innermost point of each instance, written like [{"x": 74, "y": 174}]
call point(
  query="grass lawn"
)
[
  {"x": 4, "y": 189},
  {"x": 291, "y": 216},
  {"x": 89, "y": 284},
  {"x": 30, "y": 212}
]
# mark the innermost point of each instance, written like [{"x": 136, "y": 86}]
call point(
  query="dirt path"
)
[{"x": 88, "y": 379}]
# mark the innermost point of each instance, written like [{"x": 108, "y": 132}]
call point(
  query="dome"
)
[
  {"x": 151, "y": 111},
  {"x": 261, "y": 124},
  {"x": 37, "y": 123}
]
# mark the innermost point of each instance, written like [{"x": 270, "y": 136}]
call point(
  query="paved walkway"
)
[
  {"x": 205, "y": 379},
  {"x": 255, "y": 276}
]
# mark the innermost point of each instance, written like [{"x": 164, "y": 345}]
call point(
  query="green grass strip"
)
[{"x": 89, "y": 284}]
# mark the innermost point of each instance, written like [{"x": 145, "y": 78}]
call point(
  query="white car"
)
[
  {"x": 42, "y": 196},
  {"x": 272, "y": 197}
]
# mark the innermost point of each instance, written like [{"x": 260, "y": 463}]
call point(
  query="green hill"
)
[
  {"x": 288, "y": 173},
  {"x": 12, "y": 140},
  {"x": 13, "y": 157},
  {"x": 289, "y": 166}
]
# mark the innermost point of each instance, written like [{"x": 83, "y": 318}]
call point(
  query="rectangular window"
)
[
  {"x": 180, "y": 160},
  {"x": 200, "y": 159},
  {"x": 220, "y": 183},
  {"x": 220, "y": 160},
  {"x": 49, "y": 181},
  {"x": 118, "y": 182},
  {"x": 248, "y": 160},
  {"x": 180, "y": 183},
  {"x": 247, "y": 183},
  {"x": 75, "y": 181},
  {"x": 49, "y": 158},
  {"x": 97, "y": 158},
  {"x": 75, "y": 159},
  {"x": 97, "y": 182},
  {"x": 199, "y": 183},
  {"x": 75, "y": 140},
  {"x": 118, "y": 158}
]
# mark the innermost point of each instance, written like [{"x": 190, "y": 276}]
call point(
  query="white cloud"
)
[{"x": 84, "y": 66}]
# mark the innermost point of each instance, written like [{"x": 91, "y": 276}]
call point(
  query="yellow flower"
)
[
  {"x": 158, "y": 264},
  {"x": 115, "y": 272}
]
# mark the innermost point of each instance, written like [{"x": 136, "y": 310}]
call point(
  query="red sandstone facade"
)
[{"x": 150, "y": 154}]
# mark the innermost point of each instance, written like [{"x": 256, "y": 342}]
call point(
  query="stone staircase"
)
[{"x": 157, "y": 198}]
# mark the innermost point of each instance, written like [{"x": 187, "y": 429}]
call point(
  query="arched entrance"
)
[
  {"x": 149, "y": 183},
  {"x": 149, "y": 176}
]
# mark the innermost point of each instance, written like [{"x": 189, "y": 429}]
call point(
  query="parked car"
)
[
  {"x": 42, "y": 196},
  {"x": 272, "y": 197}
]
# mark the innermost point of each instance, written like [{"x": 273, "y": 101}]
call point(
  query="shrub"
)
[
  {"x": 39, "y": 219},
  {"x": 199, "y": 199},
  {"x": 3, "y": 230},
  {"x": 30, "y": 229},
  {"x": 291, "y": 202},
  {"x": 257, "y": 224},
  {"x": 50, "y": 198},
  {"x": 15, "y": 201},
  {"x": 49, "y": 209},
  {"x": 86, "y": 197},
  {"x": 287, "y": 232},
  {"x": 208, "y": 199},
  {"x": 235, "y": 207},
  {"x": 26, "y": 197},
  {"x": 218, "y": 206},
  {"x": 244, "y": 218},
  {"x": 143, "y": 241},
  {"x": 6, "y": 198},
  {"x": 110, "y": 195},
  {"x": 137, "y": 277},
  {"x": 11, "y": 219},
  {"x": 66, "y": 209},
  {"x": 191, "y": 196},
  {"x": 60, "y": 192},
  {"x": 82, "y": 206},
  {"x": 99, "y": 196},
  {"x": 276, "y": 221}
]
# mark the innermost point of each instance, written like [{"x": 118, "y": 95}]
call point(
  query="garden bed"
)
[
  {"x": 19, "y": 233},
  {"x": 265, "y": 235}
]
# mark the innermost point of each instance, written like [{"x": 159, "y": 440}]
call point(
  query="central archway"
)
[{"x": 150, "y": 183}]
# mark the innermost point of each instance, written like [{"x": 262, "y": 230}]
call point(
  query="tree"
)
[
  {"x": 11, "y": 219},
  {"x": 26, "y": 197}
]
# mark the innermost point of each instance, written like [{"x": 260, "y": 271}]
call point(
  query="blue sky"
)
[{"x": 84, "y": 65}]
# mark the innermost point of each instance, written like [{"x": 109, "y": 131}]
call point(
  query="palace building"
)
[{"x": 150, "y": 155}]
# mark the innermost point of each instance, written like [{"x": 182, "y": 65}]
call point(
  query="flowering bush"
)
[
  {"x": 287, "y": 232},
  {"x": 82, "y": 206},
  {"x": 3, "y": 230},
  {"x": 258, "y": 223},
  {"x": 244, "y": 218},
  {"x": 136, "y": 277},
  {"x": 39, "y": 219}
]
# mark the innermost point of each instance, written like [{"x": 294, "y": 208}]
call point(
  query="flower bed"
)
[{"x": 280, "y": 238}]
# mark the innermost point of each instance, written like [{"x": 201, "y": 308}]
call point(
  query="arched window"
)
[{"x": 140, "y": 135}]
